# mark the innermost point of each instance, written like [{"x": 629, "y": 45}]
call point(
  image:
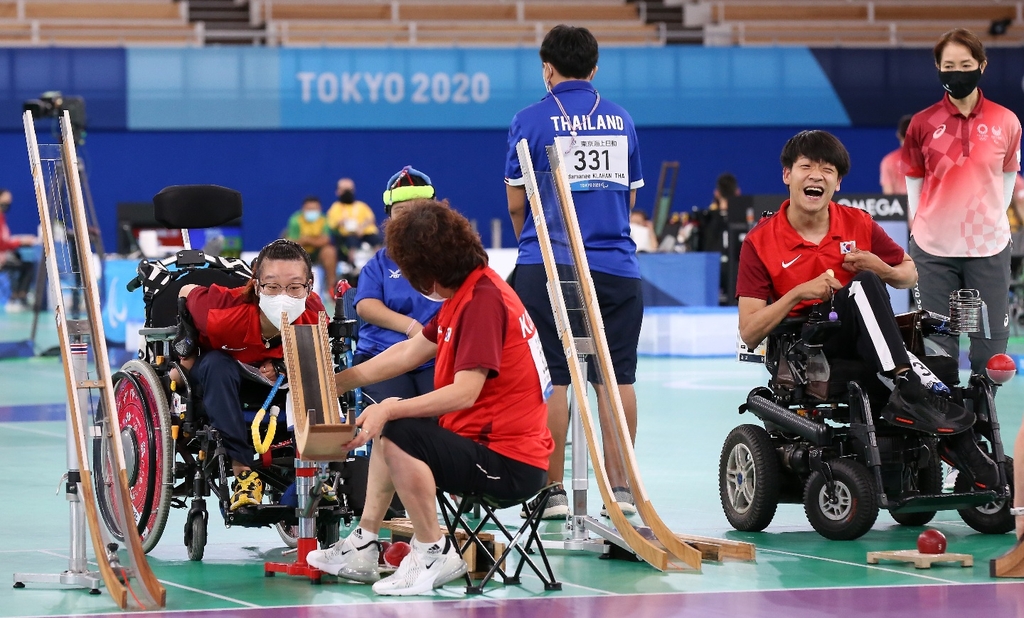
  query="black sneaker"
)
[
  {"x": 556, "y": 508},
  {"x": 963, "y": 453},
  {"x": 917, "y": 407}
]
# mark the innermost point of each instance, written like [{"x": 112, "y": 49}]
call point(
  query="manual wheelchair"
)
[
  {"x": 174, "y": 457},
  {"x": 824, "y": 445}
]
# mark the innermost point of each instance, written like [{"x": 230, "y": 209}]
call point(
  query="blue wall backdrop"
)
[{"x": 280, "y": 124}]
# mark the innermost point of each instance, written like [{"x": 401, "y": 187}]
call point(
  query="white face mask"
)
[
  {"x": 434, "y": 296},
  {"x": 274, "y": 306}
]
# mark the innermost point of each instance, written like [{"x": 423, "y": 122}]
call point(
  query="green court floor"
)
[{"x": 687, "y": 407}]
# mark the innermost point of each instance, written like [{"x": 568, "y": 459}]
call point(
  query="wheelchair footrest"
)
[
  {"x": 942, "y": 502},
  {"x": 270, "y": 514}
]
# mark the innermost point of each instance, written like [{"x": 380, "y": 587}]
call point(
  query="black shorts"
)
[
  {"x": 462, "y": 466},
  {"x": 622, "y": 310}
]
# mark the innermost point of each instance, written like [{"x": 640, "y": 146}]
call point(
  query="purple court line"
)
[
  {"x": 34, "y": 412},
  {"x": 933, "y": 601}
]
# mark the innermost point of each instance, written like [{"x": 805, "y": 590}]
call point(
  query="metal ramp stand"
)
[{"x": 579, "y": 524}]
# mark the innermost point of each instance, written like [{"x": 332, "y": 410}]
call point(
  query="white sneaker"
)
[
  {"x": 350, "y": 558},
  {"x": 421, "y": 572},
  {"x": 949, "y": 483}
]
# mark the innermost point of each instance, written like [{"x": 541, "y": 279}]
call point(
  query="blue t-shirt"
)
[
  {"x": 381, "y": 279},
  {"x": 603, "y": 163}
]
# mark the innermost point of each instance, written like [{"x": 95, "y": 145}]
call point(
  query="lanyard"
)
[{"x": 568, "y": 119}]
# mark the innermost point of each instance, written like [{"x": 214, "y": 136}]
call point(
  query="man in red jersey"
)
[
  {"x": 961, "y": 157},
  {"x": 491, "y": 384},
  {"x": 244, "y": 325},
  {"x": 815, "y": 256}
]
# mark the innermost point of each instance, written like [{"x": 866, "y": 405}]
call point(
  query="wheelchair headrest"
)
[{"x": 197, "y": 206}]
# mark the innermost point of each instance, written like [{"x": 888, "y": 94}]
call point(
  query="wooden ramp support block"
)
[
  {"x": 921, "y": 561},
  {"x": 1010, "y": 564},
  {"x": 716, "y": 549}
]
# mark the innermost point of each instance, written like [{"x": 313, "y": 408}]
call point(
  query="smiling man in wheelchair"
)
[
  {"x": 223, "y": 330},
  {"x": 829, "y": 264}
]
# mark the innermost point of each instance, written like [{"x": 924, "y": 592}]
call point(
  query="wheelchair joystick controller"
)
[{"x": 832, "y": 315}]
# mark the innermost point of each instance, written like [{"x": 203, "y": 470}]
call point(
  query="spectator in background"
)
[
  {"x": 351, "y": 221},
  {"x": 891, "y": 175},
  {"x": 20, "y": 271},
  {"x": 714, "y": 227},
  {"x": 961, "y": 158},
  {"x": 309, "y": 228},
  {"x": 641, "y": 230}
]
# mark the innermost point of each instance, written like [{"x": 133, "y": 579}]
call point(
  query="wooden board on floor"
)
[{"x": 920, "y": 561}]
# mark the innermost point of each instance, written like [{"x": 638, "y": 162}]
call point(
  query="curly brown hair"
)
[{"x": 432, "y": 243}]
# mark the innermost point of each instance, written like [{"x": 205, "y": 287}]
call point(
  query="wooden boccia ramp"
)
[
  {"x": 93, "y": 421},
  {"x": 658, "y": 546},
  {"x": 320, "y": 432},
  {"x": 1010, "y": 564}
]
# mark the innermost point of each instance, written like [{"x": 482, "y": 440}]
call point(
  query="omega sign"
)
[{"x": 880, "y": 207}]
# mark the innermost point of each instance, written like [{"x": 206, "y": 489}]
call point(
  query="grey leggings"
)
[{"x": 938, "y": 276}]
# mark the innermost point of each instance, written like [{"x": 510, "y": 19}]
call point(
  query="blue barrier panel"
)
[{"x": 675, "y": 279}]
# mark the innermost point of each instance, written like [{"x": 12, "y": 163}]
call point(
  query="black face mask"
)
[
  {"x": 347, "y": 196},
  {"x": 5, "y": 207},
  {"x": 960, "y": 84}
]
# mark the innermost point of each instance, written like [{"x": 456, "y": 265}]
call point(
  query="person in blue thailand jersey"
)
[
  {"x": 391, "y": 309},
  {"x": 598, "y": 143}
]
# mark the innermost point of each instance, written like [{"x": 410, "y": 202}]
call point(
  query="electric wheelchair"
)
[
  {"x": 174, "y": 457},
  {"x": 823, "y": 443}
]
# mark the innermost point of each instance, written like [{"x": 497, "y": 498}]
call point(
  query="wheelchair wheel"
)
[
  {"x": 929, "y": 481},
  {"x": 749, "y": 478},
  {"x": 850, "y": 509},
  {"x": 145, "y": 423},
  {"x": 195, "y": 535},
  {"x": 991, "y": 518}
]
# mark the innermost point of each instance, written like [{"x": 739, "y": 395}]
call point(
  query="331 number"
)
[{"x": 594, "y": 162}]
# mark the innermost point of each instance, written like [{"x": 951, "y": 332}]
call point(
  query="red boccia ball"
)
[
  {"x": 931, "y": 542},
  {"x": 1000, "y": 368},
  {"x": 393, "y": 555}
]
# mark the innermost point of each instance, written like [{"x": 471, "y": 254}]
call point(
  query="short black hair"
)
[
  {"x": 726, "y": 185},
  {"x": 820, "y": 146},
  {"x": 572, "y": 51},
  {"x": 311, "y": 198},
  {"x": 903, "y": 125}
]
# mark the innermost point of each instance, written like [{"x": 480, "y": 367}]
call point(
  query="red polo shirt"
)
[
  {"x": 774, "y": 258},
  {"x": 227, "y": 321},
  {"x": 484, "y": 325},
  {"x": 962, "y": 212}
]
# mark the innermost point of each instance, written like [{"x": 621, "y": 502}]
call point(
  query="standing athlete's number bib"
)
[{"x": 596, "y": 162}]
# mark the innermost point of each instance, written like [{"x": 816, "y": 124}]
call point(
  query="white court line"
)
[
  {"x": 866, "y": 566},
  {"x": 23, "y": 551},
  {"x": 209, "y": 594},
  {"x": 174, "y": 585},
  {"x": 35, "y": 431}
]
